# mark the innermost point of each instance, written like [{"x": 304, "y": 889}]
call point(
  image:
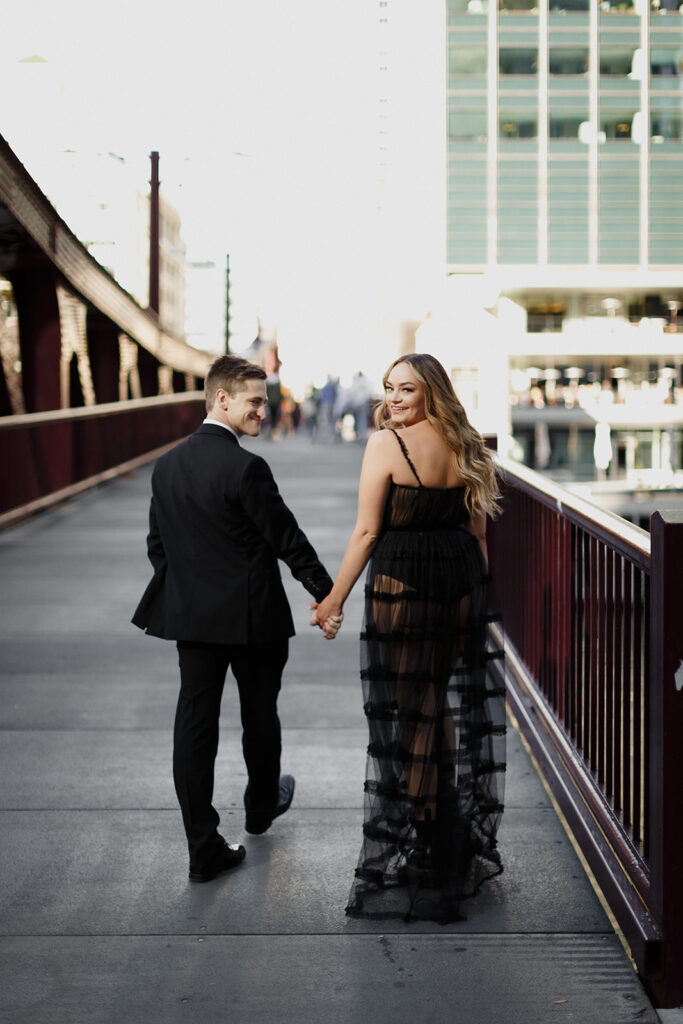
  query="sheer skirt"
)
[{"x": 435, "y": 711}]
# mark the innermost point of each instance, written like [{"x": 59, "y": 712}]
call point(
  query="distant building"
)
[
  {"x": 565, "y": 135},
  {"x": 565, "y": 158}
]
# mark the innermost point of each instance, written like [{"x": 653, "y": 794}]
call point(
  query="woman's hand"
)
[{"x": 328, "y": 616}]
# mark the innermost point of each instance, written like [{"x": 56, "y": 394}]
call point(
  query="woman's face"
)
[{"x": 405, "y": 396}]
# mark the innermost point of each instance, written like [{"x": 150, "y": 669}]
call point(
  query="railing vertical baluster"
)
[
  {"x": 593, "y": 620},
  {"x": 537, "y": 546},
  {"x": 578, "y": 635},
  {"x": 627, "y": 696},
  {"x": 619, "y": 746},
  {"x": 646, "y": 719},
  {"x": 600, "y": 667},
  {"x": 584, "y": 662},
  {"x": 521, "y": 610},
  {"x": 572, "y": 629},
  {"x": 563, "y": 606},
  {"x": 525, "y": 632},
  {"x": 637, "y": 706},
  {"x": 543, "y": 653},
  {"x": 573, "y": 633},
  {"x": 610, "y": 731},
  {"x": 547, "y": 658}
]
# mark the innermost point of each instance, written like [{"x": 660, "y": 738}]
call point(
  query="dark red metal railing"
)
[
  {"x": 590, "y": 669},
  {"x": 48, "y": 456}
]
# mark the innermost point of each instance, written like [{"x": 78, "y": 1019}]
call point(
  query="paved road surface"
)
[{"x": 99, "y": 924}]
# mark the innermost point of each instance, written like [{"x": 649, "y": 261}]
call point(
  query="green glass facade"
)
[{"x": 565, "y": 133}]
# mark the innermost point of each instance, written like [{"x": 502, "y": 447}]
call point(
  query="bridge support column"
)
[
  {"x": 40, "y": 338},
  {"x": 12, "y": 395},
  {"x": 129, "y": 376},
  {"x": 105, "y": 357},
  {"x": 165, "y": 380},
  {"x": 72, "y": 316},
  {"x": 49, "y": 463},
  {"x": 148, "y": 366}
]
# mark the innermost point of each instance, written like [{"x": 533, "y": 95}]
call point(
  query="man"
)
[{"x": 217, "y": 528}]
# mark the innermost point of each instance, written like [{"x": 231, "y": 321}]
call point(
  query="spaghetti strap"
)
[{"x": 405, "y": 453}]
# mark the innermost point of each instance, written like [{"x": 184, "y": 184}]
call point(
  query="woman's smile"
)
[{"x": 405, "y": 395}]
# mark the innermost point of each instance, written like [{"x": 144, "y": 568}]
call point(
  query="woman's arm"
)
[
  {"x": 477, "y": 525},
  {"x": 373, "y": 489}
]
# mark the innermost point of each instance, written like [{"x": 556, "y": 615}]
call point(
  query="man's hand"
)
[{"x": 329, "y": 624}]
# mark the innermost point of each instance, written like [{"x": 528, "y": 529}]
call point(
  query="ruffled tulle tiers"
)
[{"x": 435, "y": 711}]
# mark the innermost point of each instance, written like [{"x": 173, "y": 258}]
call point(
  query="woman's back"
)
[{"x": 431, "y": 458}]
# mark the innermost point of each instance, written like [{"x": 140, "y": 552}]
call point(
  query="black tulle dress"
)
[{"x": 435, "y": 710}]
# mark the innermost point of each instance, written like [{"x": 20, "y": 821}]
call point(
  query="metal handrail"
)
[
  {"x": 46, "y": 457},
  {"x": 591, "y": 609},
  {"x": 627, "y": 538},
  {"x": 85, "y": 412}
]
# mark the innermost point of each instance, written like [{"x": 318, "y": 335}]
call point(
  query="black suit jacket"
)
[{"x": 218, "y": 526}]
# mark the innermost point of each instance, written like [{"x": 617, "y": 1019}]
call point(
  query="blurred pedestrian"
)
[
  {"x": 358, "y": 404},
  {"x": 327, "y": 419},
  {"x": 309, "y": 411}
]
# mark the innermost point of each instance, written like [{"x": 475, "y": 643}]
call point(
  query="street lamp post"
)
[
  {"x": 227, "y": 303},
  {"x": 154, "y": 235}
]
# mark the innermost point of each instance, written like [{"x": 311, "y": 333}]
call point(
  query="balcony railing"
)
[
  {"x": 47, "y": 456},
  {"x": 593, "y": 629}
]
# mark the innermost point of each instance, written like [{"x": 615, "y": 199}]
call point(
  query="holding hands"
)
[{"x": 328, "y": 615}]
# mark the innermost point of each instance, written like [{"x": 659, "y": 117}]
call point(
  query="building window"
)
[
  {"x": 666, "y": 63},
  {"x": 568, "y": 61},
  {"x": 619, "y": 61},
  {"x": 666, "y": 125},
  {"x": 467, "y": 124},
  {"x": 519, "y": 6},
  {"x": 665, "y": 6},
  {"x": 518, "y": 60},
  {"x": 569, "y": 5},
  {"x": 520, "y": 124},
  {"x": 567, "y": 125},
  {"x": 617, "y": 6},
  {"x": 468, "y": 6},
  {"x": 471, "y": 60},
  {"x": 617, "y": 124}
]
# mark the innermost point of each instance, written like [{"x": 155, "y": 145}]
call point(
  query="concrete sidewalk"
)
[{"x": 99, "y": 924}]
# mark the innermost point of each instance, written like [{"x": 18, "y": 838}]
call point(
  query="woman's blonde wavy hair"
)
[{"x": 445, "y": 412}]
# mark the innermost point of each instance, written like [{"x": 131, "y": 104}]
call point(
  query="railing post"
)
[{"x": 665, "y": 712}]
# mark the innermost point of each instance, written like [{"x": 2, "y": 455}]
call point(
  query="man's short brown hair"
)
[{"x": 231, "y": 374}]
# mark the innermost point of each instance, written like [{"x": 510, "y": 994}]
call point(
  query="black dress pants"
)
[{"x": 203, "y": 667}]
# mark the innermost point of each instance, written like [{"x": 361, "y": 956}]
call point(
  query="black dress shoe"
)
[
  {"x": 229, "y": 856},
  {"x": 259, "y": 822}
]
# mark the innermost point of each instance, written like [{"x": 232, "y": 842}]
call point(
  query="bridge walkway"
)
[{"x": 98, "y": 922}]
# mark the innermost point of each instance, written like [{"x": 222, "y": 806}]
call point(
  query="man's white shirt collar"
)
[{"x": 217, "y": 423}]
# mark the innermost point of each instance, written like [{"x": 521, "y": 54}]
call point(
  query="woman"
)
[{"x": 436, "y": 716}]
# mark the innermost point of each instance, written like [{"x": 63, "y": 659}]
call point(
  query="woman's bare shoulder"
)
[{"x": 381, "y": 439}]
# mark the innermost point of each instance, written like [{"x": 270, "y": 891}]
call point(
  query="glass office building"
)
[{"x": 565, "y": 135}]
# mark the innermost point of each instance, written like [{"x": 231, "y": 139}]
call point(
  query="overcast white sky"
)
[{"x": 266, "y": 116}]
